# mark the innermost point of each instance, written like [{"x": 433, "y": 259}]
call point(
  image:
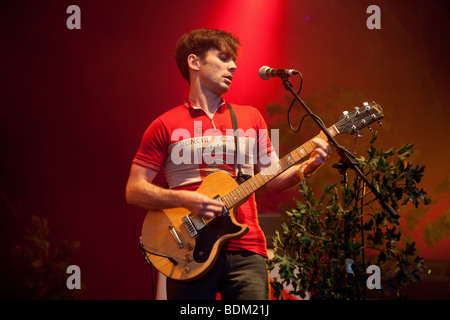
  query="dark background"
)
[{"x": 75, "y": 103}]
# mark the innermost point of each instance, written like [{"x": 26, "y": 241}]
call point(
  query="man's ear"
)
[{"x": 193, "y": 62}]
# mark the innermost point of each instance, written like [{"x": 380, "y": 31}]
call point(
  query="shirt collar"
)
[{"x": 190, "y": 104}]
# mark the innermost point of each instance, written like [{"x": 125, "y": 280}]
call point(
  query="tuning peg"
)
[
  {"x": 370, "y": 129},
  {"x": 366, "y": 104},
  {"x": 346, "y": 114},
  {"x": 357, "y": 110},
  {"x": 379, "y": 122}
]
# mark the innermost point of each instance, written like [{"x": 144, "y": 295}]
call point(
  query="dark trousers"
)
[{"x": 237, "y": 275}]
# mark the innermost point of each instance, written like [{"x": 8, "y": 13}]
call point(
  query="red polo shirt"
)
[{"x": 188, "y": 145}]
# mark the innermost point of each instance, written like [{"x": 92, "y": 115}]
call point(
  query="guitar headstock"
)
[{"x": 352, "y": 122}]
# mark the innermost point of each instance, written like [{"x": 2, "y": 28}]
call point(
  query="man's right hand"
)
[
  {"x": 202, "y": 206},
  {"x": 142, "y": 192}
]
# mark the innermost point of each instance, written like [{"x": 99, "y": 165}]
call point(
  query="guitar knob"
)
[
  {"x": 185, "y": 269},
  {"x": 346, "y": 114}
]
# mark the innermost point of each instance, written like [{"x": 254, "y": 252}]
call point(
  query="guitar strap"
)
[{"x": 240, "y": 176}]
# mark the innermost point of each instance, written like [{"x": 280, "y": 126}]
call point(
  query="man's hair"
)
[{"x": 199, "y": 41}]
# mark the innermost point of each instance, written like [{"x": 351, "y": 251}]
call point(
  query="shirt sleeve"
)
[{"x": 153, "y": 148}]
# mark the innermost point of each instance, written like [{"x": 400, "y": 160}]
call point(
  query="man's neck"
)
[{"x": 208, "y": 102}]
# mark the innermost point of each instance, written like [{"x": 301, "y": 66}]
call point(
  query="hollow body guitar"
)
[{"x": 185, "y": 247}]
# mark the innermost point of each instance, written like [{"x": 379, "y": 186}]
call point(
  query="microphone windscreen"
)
[{"x": 262, "y": 73}]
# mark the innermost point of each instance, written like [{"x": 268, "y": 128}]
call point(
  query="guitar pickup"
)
[
  {"x": 224, "y": 209},
  {"x": 188, "y": 223},
  {"x": 195, "y": 224}
]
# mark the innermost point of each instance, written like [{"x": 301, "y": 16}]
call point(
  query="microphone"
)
[{"x": 266, "y": 73}]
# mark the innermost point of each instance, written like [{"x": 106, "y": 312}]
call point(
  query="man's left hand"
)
[{"x": 318, "y": 157}]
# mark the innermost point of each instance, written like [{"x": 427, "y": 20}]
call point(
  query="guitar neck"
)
[{"x": 260, "y": 179}]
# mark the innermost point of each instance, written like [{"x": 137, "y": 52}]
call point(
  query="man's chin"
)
[
  {"x": 222, "y": 91},
  {"x": 225, "y": 88}
]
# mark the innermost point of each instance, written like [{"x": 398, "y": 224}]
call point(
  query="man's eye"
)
[{"x": 224, "y": 57}]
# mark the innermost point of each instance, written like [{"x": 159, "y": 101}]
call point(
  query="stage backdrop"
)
[{"x": 75, "y": 103}]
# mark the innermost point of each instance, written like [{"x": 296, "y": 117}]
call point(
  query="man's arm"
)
[
  {"x": 140, "y": 191},
  {"x": 291, "y": 177}
]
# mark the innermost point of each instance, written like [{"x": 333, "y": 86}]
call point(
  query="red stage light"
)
[{"x": 259, "y": 26}]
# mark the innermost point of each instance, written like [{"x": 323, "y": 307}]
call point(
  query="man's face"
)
[{"x": 216, "y": 71}]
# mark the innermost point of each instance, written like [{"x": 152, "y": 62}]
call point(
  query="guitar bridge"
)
[{"x": 176, "y": 237}]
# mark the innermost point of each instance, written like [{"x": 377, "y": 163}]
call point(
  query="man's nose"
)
[{"x": 232, "y": 66}]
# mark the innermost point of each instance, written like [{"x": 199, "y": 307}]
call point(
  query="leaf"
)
[
  {"x": 406, "y": 148},
  {"x": 374, "y": 137},
  {"x": 368, "y": 225}
]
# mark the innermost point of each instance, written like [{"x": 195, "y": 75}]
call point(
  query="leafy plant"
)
[
  {"x": 327, "y": 242},
  {"x": 36, "y": 270}
]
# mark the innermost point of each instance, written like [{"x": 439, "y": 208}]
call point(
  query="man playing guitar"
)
[{"x": 180, "y": 142}]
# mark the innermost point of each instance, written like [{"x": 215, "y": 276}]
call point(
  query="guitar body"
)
[{"x": 174, "y": 250}]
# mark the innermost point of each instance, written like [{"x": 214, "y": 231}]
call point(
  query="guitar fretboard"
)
[{"x": 260, "y": 179}]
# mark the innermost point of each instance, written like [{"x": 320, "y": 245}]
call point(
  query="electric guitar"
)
[{"x": 185, "y": 247}]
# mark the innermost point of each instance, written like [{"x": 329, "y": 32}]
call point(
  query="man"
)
[{"x": 207, "y": 60}]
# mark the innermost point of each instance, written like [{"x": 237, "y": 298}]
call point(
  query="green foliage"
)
[
  {"x": 321, "y": 233},
  {"x": 34, "y": 269}
]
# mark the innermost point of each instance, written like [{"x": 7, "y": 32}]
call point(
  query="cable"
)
[
  {"x": 292, "y": 103},
  {"x": 151, "y": 266},
  {"x": 143, "y": 250},
  {"x": 306, "y": 115}
]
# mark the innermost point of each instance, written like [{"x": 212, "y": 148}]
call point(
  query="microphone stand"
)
[
  {"x": 346, "y": 157},
  {"x": 347, "y": 161},
  {"x": 342, "y": 168}
]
